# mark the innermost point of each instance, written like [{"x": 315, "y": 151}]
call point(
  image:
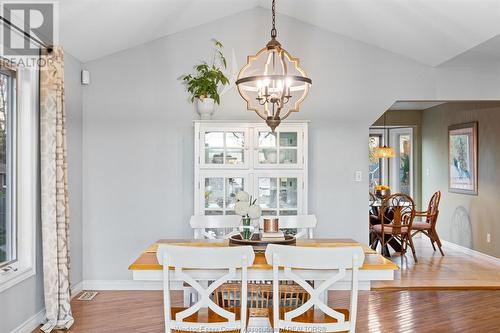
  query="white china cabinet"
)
[{"x": 235, "y": 156}]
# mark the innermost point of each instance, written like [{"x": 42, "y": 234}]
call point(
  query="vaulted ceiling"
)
[{"x": 428, "y": 31}]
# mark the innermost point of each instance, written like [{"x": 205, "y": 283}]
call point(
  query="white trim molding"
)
[
  {"x": 76, "y": 289},
  {"x": 31, "y": 324},
  {"x": 472, "y": 253}
]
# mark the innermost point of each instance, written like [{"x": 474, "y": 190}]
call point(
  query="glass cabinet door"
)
[
  {"x": 223, "y": 148},
  {"x": 278, "y": 196},
  {"x": 279, "y": 149},
  {"x": 220, "y": 194}
]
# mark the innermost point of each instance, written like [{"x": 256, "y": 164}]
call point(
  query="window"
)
[
  {"x": 404, "y": 163},
  {"x": 8, "y": 234},
  {"x": 18, "y": 173},
  {"x": 396, "y": 172},
  {"x": 375, "y": 166}
]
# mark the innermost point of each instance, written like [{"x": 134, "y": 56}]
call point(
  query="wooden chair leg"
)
[
  {"x": 403, "y": 251},
  {"x": 410, "y": 239},
  {"x": 432, "y": 243},
  {"x": 438, "y": 241},
  {"x": 428, "y": 234}
]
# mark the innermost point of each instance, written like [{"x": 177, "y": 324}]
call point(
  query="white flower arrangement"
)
[{"x": 246, "y": 206}]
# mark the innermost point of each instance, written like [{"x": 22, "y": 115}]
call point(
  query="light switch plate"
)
[{"x": 358, "y": 176}]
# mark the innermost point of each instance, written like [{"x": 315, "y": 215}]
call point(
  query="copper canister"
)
[{"x": 271, "y": 224}]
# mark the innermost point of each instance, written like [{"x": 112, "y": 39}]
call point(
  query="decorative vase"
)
[
  {"x": 246, "y": 232},
  {"x": 205, "y": 107}
]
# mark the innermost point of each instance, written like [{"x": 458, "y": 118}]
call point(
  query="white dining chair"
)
[
  {"x": 305, "y": 224},
  {"x": 314, "y": 315},
  {"x": 227, "y": 225},
  {"x": 180, "y": 263}
]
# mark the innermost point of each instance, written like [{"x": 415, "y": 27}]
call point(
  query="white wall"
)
[
  {"x": 138, "y": 135},
  {"x": 479, "y": 81},
  {"x": 25, "y": 299}
]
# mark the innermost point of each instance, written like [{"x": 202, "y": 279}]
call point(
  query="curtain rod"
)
[{"x": 26, "y": 35}]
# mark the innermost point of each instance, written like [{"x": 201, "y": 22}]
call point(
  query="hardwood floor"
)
[
  {"x": 379, "y": 311},
  {"x": 454, "y": 271},
  {"x": 439, "y": 294}
]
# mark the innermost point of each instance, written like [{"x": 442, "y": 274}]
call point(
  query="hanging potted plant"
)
[{"x": 203, "y": 86}]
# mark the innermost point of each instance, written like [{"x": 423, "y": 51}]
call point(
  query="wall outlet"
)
[
  {"x": 488, "y": 238},
  {"x": 358, "y": 176},
  {"x": 428, "y": 172}
]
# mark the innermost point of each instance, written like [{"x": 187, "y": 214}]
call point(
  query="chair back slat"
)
[
  {"x": 293, "y": 259},
  {"x": 202, "y": 224},
  {"x": 202, "y": 257},
  {"x": 305, "y": 224},
  {"x": 186, "y": 260},
  {"x": 315, "y": 258}
]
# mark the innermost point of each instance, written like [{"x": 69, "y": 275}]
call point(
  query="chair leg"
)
[
  {"x": 410, "y": 239},
  {"x": 431, "y": 238},
  {"x": 438, "y": 241},
  {"x": 403, "y": 250},
  {"x": 432, "y": 243}
]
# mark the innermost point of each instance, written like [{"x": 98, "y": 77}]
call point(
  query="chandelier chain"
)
[{"x": 273, "y": 10}]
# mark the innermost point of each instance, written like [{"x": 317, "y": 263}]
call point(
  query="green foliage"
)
[{"x": 205, "y": 82}]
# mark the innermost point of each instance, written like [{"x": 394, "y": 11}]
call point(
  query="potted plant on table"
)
[
  {"x": 203, "y": 86},
  {"x": 247, "y": 208}
]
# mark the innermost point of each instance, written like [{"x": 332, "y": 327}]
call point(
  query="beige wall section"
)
[
  {"x": 409, "y": 118},
  {"x": 464, "y": 219}
]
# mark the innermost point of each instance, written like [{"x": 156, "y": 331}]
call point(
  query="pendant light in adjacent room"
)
[
  {"x": 272, "y": 82},
  {"x": 385, "y": 151}
]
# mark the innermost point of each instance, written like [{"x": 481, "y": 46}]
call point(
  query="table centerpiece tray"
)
[{"x": 259, "y": 244}]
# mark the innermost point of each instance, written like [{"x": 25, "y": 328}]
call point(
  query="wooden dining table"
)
[{"x": 375, "y": 266}]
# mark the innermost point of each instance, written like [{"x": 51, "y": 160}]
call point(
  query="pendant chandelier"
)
[
  {"x": 385, "y": 151},
  {"x": 272, "y": 82}
]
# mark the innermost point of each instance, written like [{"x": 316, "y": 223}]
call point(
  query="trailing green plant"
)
[{"x": 205, "y": 82}]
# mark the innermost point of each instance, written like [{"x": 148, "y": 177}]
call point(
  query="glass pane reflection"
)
[
  {"x": 214, "y": 193},
  {"x": 268, "y": 192}
]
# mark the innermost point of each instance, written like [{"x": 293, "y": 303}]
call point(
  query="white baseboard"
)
[
  {"x": 471, "y": 252},
  {"x": 76, "y": 289},
  {"x": 32, "y": 323},
  {"x": 121, "y": 285}
]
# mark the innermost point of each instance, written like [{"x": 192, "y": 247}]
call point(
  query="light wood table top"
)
[{"x": 373, "y": 260}]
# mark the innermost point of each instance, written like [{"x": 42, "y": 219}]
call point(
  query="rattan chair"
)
[
  {"x": 260, "y": 296},
  {"x": 427, "y": 222},
  {"x": 401, "y": 209}
]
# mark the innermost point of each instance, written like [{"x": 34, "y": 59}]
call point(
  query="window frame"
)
[
  {"x": 380, "y": 160},
  {"x": 382, "y": 133},
  {"x": 394, "y": 135},
  {"x": 25, "y": 173},
  {"x": 11, "y": 168}
]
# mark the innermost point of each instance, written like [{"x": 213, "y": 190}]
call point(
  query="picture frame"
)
[{"x": 462, "y": 158}]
